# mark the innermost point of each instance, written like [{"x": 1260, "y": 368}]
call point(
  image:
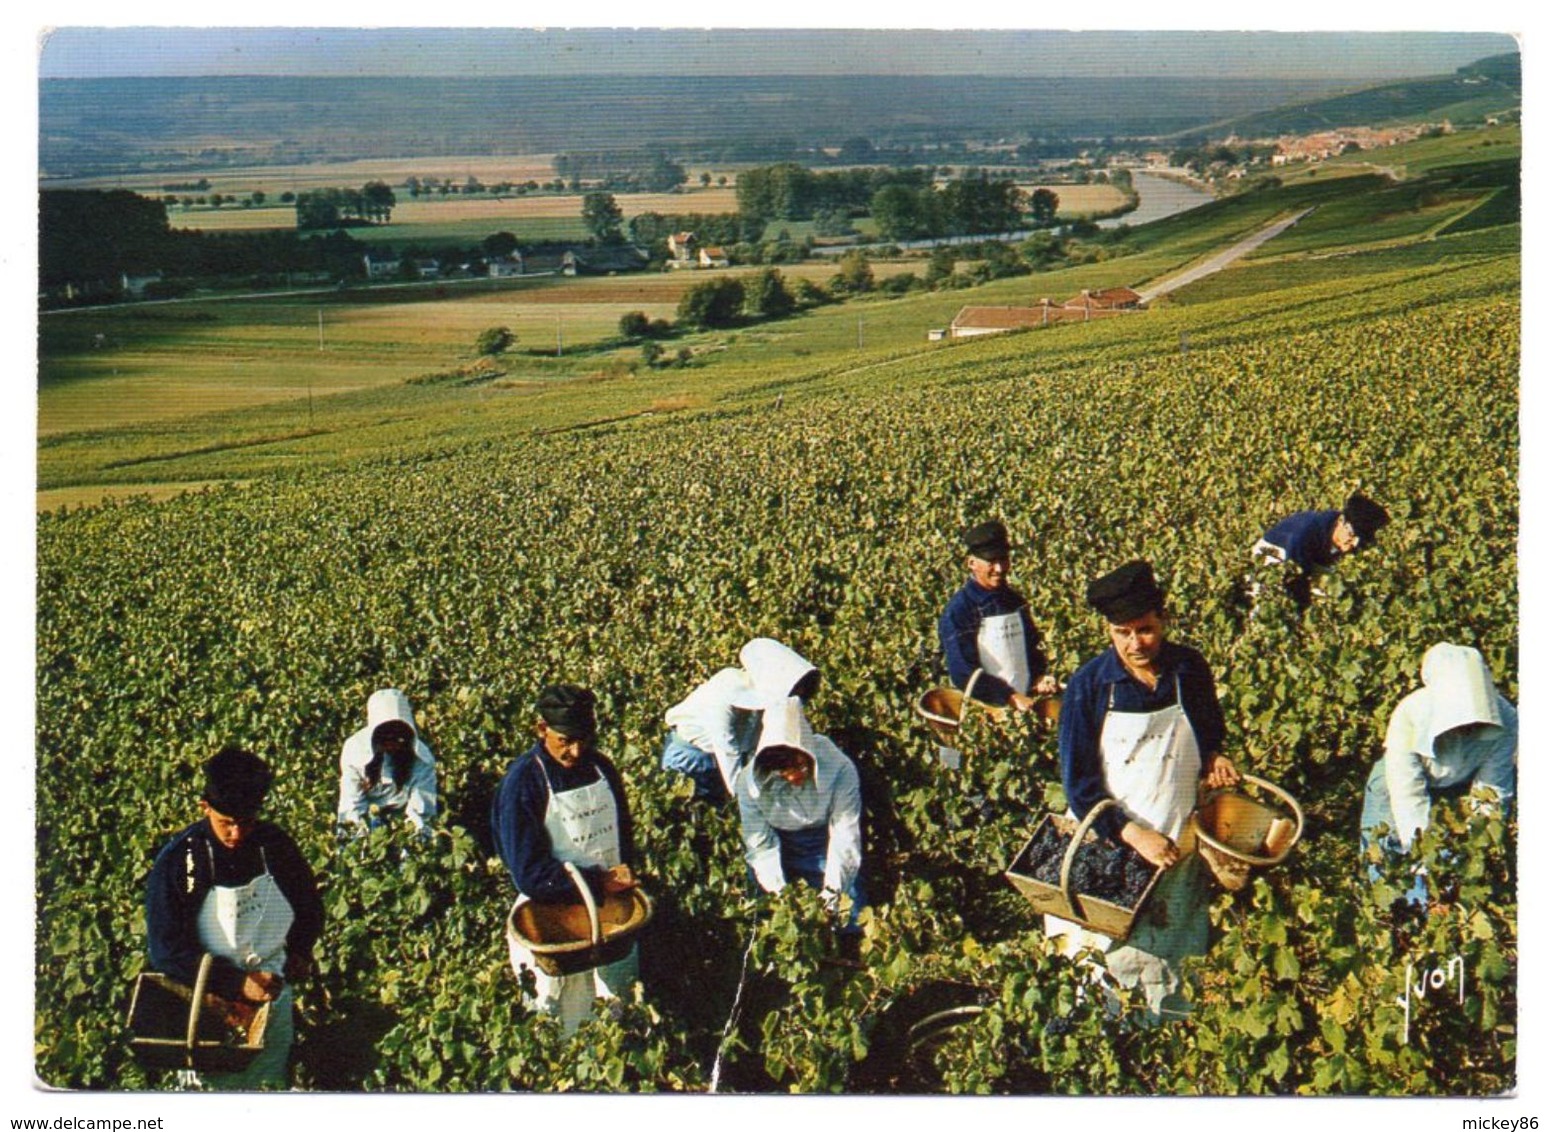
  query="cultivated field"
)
[
  {"x": 416, "y": 218},
  {"x": 382, "y": 511}
]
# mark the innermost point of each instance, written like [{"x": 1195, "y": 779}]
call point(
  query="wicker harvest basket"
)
[
  {"x": 1091, "y": 912},
  {"x": 1238, "y": 834},
  {"x": 944, "y": 709},
  {"x": 173, "y": 1027},
  {"x": 566, "y": 938}
]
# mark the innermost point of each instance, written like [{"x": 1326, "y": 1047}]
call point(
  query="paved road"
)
[{"x": 1220, "y": 259}]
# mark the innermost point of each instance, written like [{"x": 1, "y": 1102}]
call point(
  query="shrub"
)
[{"x": 495, "y": 340}]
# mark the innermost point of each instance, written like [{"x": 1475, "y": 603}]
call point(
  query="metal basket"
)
[
  {"x": 566, "y": 938},
  {"x": 1238, "y": 834},
  {"x": 1091, "y": 912},
  {"x": 173, "y": 1027}
]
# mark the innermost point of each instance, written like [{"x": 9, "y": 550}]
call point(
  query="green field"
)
[{"x": 806, "y": 478}]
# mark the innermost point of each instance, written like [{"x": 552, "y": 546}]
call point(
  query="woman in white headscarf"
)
[
  {"x": 800, "y": 803},
  {"x": 1455, "y": 733},
  {"x": 715, "y": 728},
  {"x": 385, "y": 768}
]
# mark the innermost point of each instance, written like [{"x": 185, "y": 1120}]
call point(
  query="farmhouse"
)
[
  {"x": 606, "y": 260},
  {"x": 971, "y": 322},
  {"x": 713, "y": 257},
  {"x": 1105, "y": 301},
  {"x": 386, "y": 268},
  {"x": 974, "y": 321},
  {"x": 504, "y": 266},
  {"x": 680, "y": 249}
]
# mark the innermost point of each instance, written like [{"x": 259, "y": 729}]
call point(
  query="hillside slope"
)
[
  {"x": 636, "y": 559},
  {"x": 1488, "y": 88}
]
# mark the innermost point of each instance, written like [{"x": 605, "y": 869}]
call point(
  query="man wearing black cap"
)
[
  {"x": 1314, "y": 541},
  {"x": 238, "y": 889},
  {"x": 986, "y": 628},
  {"x": 561, "y": 803},
  {"x": 1141, "y": 726}
]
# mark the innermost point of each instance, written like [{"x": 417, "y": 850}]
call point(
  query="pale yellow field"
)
[
  {"x": 1078, "y": 200},
  {"x": 90, "y": 496},
  {"x": 276, "y": 179},
  {"x": 452, "y": 210}
]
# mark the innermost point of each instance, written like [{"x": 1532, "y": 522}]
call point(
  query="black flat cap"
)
[
  {"x": 236, "y": 782},
  {"x": 987, "y": 540},
  {"x": 1365, "y": 516},
  {"x": 1126, "y": 593},
  {"x": 569, "y": 709}
]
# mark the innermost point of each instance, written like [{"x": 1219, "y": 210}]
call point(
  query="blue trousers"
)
[
  {"x": 685, "y": 758},
  {"x": 1377, "y": 809},
  {"x": 804, "y": 857}
]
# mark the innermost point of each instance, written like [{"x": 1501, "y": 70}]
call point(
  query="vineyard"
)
[{"x": 637, "y": 557}]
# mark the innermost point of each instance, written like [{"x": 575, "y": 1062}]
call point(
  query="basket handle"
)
[
  {"x": 1278, "y": 792},
  {"x": 968, "y": 693},
  {"x": 206, "y": 961},
  {"x": 1075, "y": 843},
  {"x": 586, "y": 898}
]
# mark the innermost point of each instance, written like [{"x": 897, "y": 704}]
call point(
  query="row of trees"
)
[
  {"x": 644, "y": 171},
  {"x": 89, "y": 238},
  {"x": 960, "y": 208},
  {"x": 372, "y": 203},
  {"x": 789, "y": 191}
]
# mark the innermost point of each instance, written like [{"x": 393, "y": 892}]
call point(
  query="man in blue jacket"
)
[
  {"x": 237, "y": 888},
  {"x": 1314, "y": 541},
  {"x": 562, "y": 803},
  {"x": 1141, "y": 733},
  {"x": 986, "y": 628}
]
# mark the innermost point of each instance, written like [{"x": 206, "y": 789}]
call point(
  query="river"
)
[{"x": 1160, "y": 197}]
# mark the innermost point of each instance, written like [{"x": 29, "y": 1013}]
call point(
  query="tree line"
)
[
  {"x": 372, "y": 203},
  {"x": 89, "y": 238}
]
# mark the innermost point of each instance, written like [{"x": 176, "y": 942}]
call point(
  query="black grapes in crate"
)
[{"x": 1115, "y": 873}]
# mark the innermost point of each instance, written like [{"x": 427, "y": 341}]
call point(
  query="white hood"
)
[
  {"x": 1458, "y": 691},
  {"x": 385, "y": 706},
  {"x": 389, "y": 704},
  {"x": 773, "y": 671},
  {"x": 785, "y": 725}
]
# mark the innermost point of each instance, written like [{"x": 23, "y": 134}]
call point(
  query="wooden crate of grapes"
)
[
  {"x": 173, "y": 1026},
  {"x": 1067, "y": 870}
]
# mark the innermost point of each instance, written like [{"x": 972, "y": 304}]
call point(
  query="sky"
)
[{"x": 91, "y": 52}]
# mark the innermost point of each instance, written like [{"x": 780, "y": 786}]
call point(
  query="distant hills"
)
[
  {"x": 1486, "y": 88},
  {"x": 97, "y": 127},
  {"x": 115, "y": 126}
]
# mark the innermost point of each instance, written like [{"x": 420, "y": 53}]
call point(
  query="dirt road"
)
[{"x": 1219, "y": 260}]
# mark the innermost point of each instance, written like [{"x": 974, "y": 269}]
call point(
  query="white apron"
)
[
  {"x": 582, "y": 825},
  {"x": 246, "y": 925},
  {"x": 1151, "y": 766},
  {"x": 1003, "y": 650}
]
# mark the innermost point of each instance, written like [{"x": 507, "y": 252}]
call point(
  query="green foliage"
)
[
  {"x": 1044, "y": 205},
  {"x": 603, "y": 218},
  {"x": 494, "y": 340},
  {"x": 266, "y": 616},
  {"x": 712, "y": 304},
  {"x": 767, "y": 295},
  {"x": 854, "y": 276}
]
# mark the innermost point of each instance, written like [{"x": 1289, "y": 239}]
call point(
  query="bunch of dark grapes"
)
[{"x": 1115, "y": 873}]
